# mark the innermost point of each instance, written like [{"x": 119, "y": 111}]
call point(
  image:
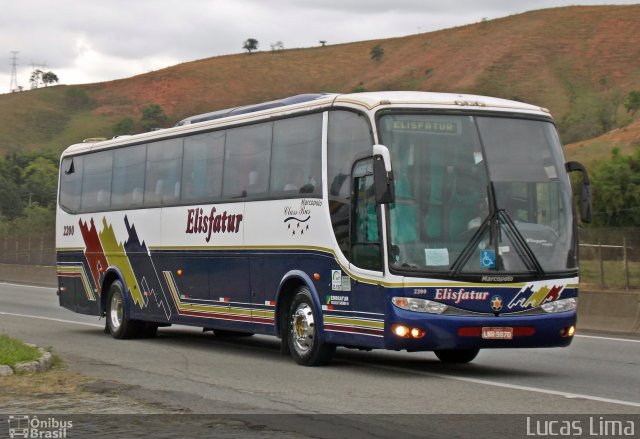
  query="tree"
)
[
  {"x": 277, "y": 46},
  {"x": 632, "y": 104},
  {"x": 616, "y": 190},
  {"x": 323, "y": 43},
  {"x": 376, "y": 52},
  {"x": 40, "y": 182},
  {"x": 153, "y": 117},
  {"x": 124, "y": 126},
  {"x": 250, "y": 45},
  {"x": 49, "y": 78},
  {"x": 35, "y": 78}
]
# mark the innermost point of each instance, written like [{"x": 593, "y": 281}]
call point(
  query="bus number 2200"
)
[{"x": 68, "y": 231}]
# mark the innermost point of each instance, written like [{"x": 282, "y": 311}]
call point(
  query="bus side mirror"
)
[
  {"x": 586, "y": 197},
  {"x": 383, "y": 175}
]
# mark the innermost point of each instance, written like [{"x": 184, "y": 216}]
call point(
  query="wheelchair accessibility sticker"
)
[{"x": 487, "y": 259}]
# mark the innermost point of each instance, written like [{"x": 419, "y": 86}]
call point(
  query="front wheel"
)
[
  {"x": 453, "y": 356},
  {"x": 304, "y": 344},
  {"x": 118, "y": 324}
]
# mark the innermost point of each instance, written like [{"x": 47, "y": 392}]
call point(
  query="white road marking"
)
[
  {"x": 607, "y": 338},
  {"x": 26, "y": 286},
  {"x": 50, "y": 319},
  {"x": 506, "y": 385}
]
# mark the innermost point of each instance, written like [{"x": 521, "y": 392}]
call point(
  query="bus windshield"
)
[{"x": 478, "y": 194}]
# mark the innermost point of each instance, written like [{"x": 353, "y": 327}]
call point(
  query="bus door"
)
[{"x": 366, "y": 251}]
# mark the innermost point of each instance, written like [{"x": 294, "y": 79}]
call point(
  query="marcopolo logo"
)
[{"x": 22, "y": 426}]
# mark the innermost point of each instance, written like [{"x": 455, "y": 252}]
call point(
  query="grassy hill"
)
[{"x": 566, "y": 59}]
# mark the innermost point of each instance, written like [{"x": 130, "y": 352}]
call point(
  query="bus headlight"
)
[
  {"x": 419, "y": 305},
  {"x": 561, "y": 305}
]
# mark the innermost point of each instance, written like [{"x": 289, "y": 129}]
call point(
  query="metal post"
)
[
  {"x": 601, "y": 264},
  {"x": 626, "y": 261}
]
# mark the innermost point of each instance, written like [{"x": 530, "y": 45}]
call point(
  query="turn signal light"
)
[
  {"x": 406, "y": 332},
  {"x": 179, "y": 272}
]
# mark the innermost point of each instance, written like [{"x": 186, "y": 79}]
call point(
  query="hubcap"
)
[
  {"x": 116, "y": 311},
  {"x": 302, "y": 328}
]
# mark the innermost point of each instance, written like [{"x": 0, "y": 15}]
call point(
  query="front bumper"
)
[{"x": 465, "y": 332}]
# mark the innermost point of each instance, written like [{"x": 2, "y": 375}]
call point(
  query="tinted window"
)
[
  {"x": 96, "y": 181},
  {"x": 164, "y": 166},
  {"x": 71, "y": 183},
  {"x": 246, "y": 163},
  {"x": 202, "y": 166},
  {"x": 128, "y": 177},
  {"x": 296, "y": 164},
  {"x": 349, "y": 137}
]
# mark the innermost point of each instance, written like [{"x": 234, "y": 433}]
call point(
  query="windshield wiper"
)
[
  {"x": 518, "y": 241},
  {"x": 468, "y": 249},
  {"x": 495, "y": 218}
]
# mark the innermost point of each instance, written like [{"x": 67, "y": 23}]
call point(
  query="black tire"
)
[
  {"x": 457, "y": 356},
  {"x": 302, "y": 332},
  {"x": 227, "y": 333},
  {"x": 118, "y": 324}
]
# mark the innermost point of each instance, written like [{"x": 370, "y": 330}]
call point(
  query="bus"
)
[{"x": 409, "y": 221}]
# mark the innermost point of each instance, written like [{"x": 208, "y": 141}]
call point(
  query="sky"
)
[{"x": 86, "y": 41}]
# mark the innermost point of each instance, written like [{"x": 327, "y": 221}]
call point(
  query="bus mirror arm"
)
[
  {"x": 383, "y": 175},
  {"x": 586, "y": 197}
]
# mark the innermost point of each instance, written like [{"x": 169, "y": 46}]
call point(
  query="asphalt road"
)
[{"x": 200, "y": 373}]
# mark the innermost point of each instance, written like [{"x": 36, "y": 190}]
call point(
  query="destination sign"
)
[{"x": 427, "y": 126}]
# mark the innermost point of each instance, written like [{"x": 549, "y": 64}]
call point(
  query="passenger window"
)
[
  {"x": 246, "y": 162},
  {"x": 202, "y": 167},
  {"x": 128, "y": 177},
  {"x": 164, "y": 166},
  {"x": 71, "y": 183},
  {"x": 96, "y": 182},
  {"x": 296, "y": 164}
]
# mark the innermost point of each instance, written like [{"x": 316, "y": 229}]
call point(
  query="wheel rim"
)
[
  {"x": 116, "y": 311},
  {"x": 303, "y": 328}
]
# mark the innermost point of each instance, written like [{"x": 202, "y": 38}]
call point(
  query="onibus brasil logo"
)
[{"x": 24, "y": 426}]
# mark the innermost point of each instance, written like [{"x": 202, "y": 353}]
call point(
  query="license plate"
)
[{"x": 497, "y": 333}]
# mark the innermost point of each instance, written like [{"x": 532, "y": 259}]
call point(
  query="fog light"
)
[
  {"x": 400, "y": 330},
  {"x": 568, "y": 332},
  {"x": 417, "y": 332}
]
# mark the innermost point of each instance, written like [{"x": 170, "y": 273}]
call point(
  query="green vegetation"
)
[
  {"x": 124, "y": 126},
  {"x": 376, "y": 52},
  {"x": 632, "y": 104},
  {"x": 153, "y": 117},
  {"x": 616, "y": 190},
  {"x": 591, "y": 114},
  {"x": 14, "y": 351},
  {"x": 28, "y": 185}
]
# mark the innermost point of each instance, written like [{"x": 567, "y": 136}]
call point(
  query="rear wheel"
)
[
  {"x": 453, "y": 356},
  {"x": 302, "y": 335},
  {"x": 118, "y": 324}
]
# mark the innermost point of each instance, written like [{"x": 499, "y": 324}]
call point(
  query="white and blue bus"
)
[{"x": 394, "y": 220}]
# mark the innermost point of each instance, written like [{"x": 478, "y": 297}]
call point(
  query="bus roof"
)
[{"x": 368, "y": 100}]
